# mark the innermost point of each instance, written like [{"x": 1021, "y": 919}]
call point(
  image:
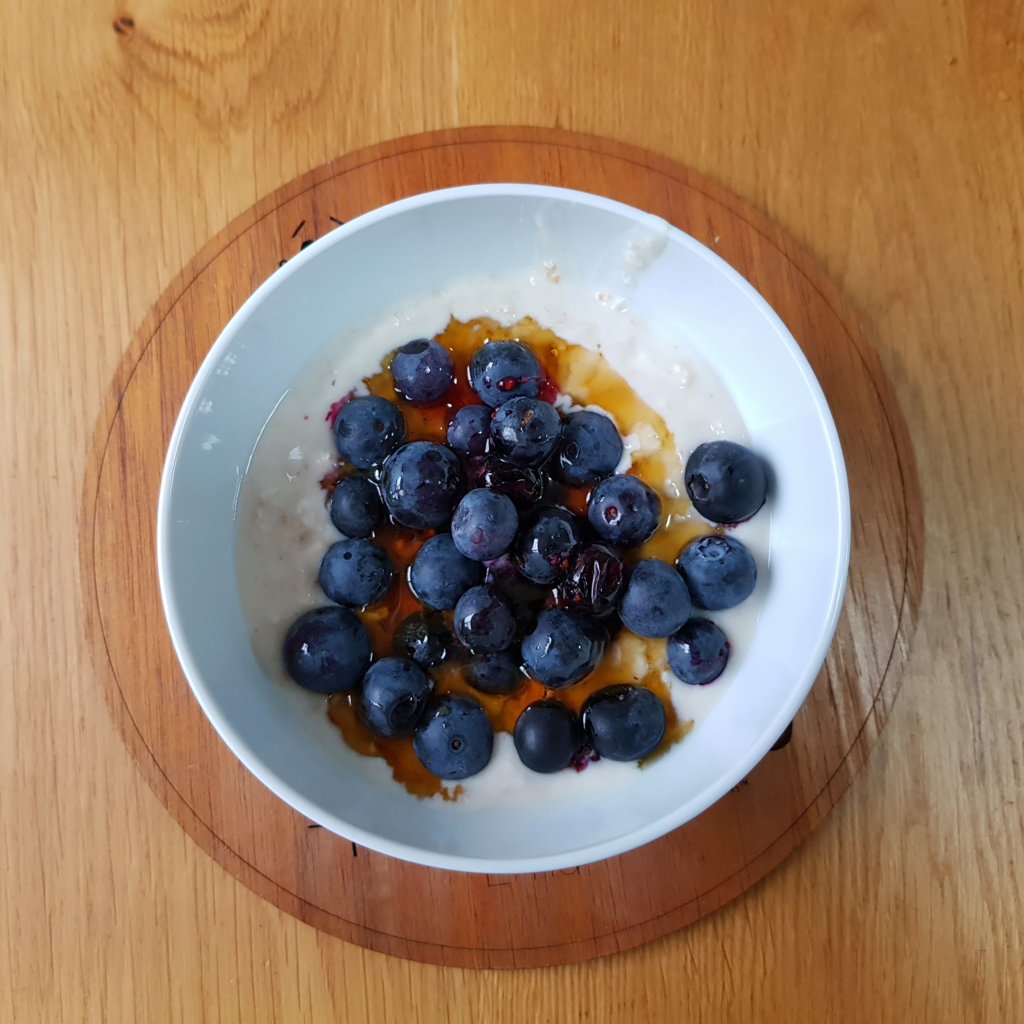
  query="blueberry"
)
[
  {"x": 525, "y": 431},
  {"x": 440, "y": 575},
  {"x": 697, "y": 654},
  {"x": 421, "y": 484},
  {"x": 624, "y": 723},
  {"x": 394, "y": 696},
  {"x": 484, "y": 525},
  {"x": 423, "y": 371},
  {"x": 719, "y": 571},
  {"x": 593, "y": 583},
  {"x": 548, "y": 736},
  {"x": 424, "y": 639},
  {"x": 496, "y": 673},
  {"x": 523, "y": 485},
  {"x": 455, "y": 738},
  {"x": 356, "y": 573},
  {"x": 484, "y": 621},
  {"x": 563, "y": 648},
  {"x": 726, "y": 482},
  {"x": 470, "y": 431},
  {"x": 355, "y": 507},
  {"x": 590, "y": 448},
  {"x": 368, "y": 429},
  {"x": 784, "y": 739},
  {"x": 655, "y": 602},
  {"x": 501, "y": 370},
  {"x": 526, "y": 599},
  {"x": 623, "y": 511},
  {"x": 327, "y": 650},
  {"x": 545, "y": 546}
]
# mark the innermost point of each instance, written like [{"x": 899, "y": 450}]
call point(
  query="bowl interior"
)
[{"x": 366, "y": 270}]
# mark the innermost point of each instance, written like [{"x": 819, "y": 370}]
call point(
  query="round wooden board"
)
[{"x": 478, "y": 920}]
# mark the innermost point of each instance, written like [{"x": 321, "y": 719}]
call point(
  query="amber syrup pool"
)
[{"x": 587, "y": 378}]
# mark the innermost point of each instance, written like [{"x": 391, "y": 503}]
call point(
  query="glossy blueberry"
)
[
  {"x": 327, "y": 650},
  {"x": 784, "y": 739},
  {"x": 356, "y": 573},
  {"x": 440, "y": 575},
  {"x": 523, "y": 485},
  {"x": 698, "y": 653},
  {"x": 470, "y": 431},
  {"x": 421, "y": 485},
  {"x": 548, "y": 736},
  {"x": 563, "y": 648},
  {"x": 525, "y": 431},
  {"x": 719, "y": 572},
  {"x": 545, "y": 546},
  {"x": 726, "y": 482},
  {"x": 501, "y": 370},
  {"x": 484, "y": 525},
  {"x": 526, "y": 599},
  {"x": 594, "y": 582},
  {"x": 496, "y": 673},
  {"x": 484, "y": 621},
  {"x": 455, "y": 738},
  {"x": 394, "y": 696},
  {"x": 655, "y": 602},
  {"x": 367, "y": 430},
  {"x": 423, "y": 371},
  {"x": 623, "y": 511},
  {"x": 424, "y": 639},
  {"x": 355, "y": 507},
  {"x": 624, "y": 723},
  {"x": 590, "y": 448}
]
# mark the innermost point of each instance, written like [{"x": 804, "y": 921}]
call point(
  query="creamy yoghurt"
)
[{"x": 284, "y": 529}]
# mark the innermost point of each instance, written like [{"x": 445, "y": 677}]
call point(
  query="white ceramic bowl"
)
[{"x": 363, "y": 270}]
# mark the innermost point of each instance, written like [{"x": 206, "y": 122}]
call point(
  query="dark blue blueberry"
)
[
  {"x": 327, "y": 650},
  {"x": 455, "y": 738},
  {"x": 624, "y": 723},
  {"x": 525, "y": 431},
  {"x": 590, "y": 448},
  {"x": 623, "y": 511},
  {"x": 368, "y": 429},
  {"x": 421, "y": 485},
  {"x": 394, "y": 696},
  {"x": 719, "y": 571},
  {"x": 484, "y": 525},
  {"x": 593, "y": 583},
  {"x": 523, "y": 485},
  {"x": 545, "y": 546},
  {"x": 424, "y": 639},
  {"x": 501, "y": 370},
  {"x": 355, "y": 507},
  {"x": 470, "y": 431},
  {"x": 356, "y": 573},
  {"x": 423, "y": 371},
  {"x": 484, "y": 621},
  {"x": 526, "y": 599},
  {"x": 783, "y": 740},
  {"x": 440, "y": 575},
  {"x": 548, "y": 736},
  {"x": 655, "y": 602},
  {"x": 496, "y": 673},
  {"x": 726, "y": 482},
  {"x": 698, "y": 653},
  {"x": 562, "y": 649}
]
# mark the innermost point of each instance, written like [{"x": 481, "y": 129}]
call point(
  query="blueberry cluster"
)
[{"x": 511, "y": 582}]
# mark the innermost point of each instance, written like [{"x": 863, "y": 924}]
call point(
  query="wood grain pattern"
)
[
  {"x": 887, "y": 139},
  {"x": 496, "y": 921}
]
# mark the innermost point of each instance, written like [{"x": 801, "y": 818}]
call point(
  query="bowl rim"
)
[{"x": 582, "y": 855}]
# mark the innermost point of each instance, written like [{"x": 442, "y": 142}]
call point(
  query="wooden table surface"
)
[{"x": 888, "y": 138}]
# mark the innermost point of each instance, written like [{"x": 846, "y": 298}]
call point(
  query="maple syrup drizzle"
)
[{"x": 588, "y": 378}]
